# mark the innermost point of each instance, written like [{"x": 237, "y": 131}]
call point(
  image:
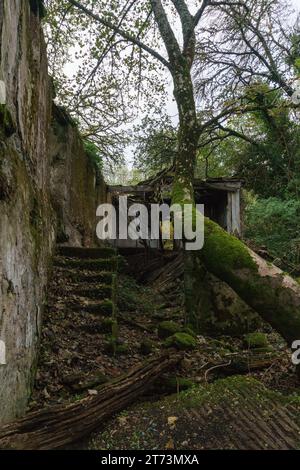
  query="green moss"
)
[
  {"x": 174, "y": 384},
  {"x": 122, "y": 349},
  {"x": 181, "y": 341},
  {"x": 168, "y": 328},
  {"x": 182, "y": 194},
  {"x": 297, "y": 64},
  {"x": 114, "y": 292},
  {"x": 223, "y": 252},
  {"x": 131, "y": 296},
  {"x": 189, "y": 331},
  {"x": 93, "y": 154},
  {"x": 256, "y": 340},
  {"x": 112, "y": 347},
  {"x": 109, "y": 325}
]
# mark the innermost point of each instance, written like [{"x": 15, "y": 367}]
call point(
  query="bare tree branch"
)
[{"x": 122, "y": 33}]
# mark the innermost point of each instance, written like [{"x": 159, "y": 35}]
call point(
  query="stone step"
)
[
  {"x": 104, "y": 307},
  {"x": 96, "y": 291},
  {"x": 88, "y": 278},
  {"x": 86, "y": 253},
  {"x": 95, "y": 265}
]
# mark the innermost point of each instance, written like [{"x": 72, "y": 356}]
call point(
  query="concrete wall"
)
[
  {"x": 76, "y": 185},
  {"x": 38, "y": 194}
]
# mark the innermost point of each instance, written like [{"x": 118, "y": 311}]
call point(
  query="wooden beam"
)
[
  {"x": 130, "y": 189},
  {"x": 230, "y": 187}
]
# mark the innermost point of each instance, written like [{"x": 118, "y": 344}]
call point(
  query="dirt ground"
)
[{"x": 74, "y": 363}]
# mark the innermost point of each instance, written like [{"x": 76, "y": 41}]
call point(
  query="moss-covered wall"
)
[
  {"x": 46, "y": 182},
  {"x": 26, "y": 218},
  {"x": 77, "y": 186}
]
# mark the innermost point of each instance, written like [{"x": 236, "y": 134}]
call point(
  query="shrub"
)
[{"x": 275, "y": 224}]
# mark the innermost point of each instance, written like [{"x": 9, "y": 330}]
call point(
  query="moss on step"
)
[
  {"x": 109, "y": 325},
  {"x": 94, "y": 292},
  {"x": 168, "y": 328},
  {"x": 182, "y": 341},
  {"x": 88, "y": 264},
  {"x": 189, "y": 330},
  {"x": 103, "y": 277}
]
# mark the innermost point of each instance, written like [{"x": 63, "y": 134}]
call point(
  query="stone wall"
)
[
  {"x": 48, "y": 188},
  {"x": 77, "y": 186}
]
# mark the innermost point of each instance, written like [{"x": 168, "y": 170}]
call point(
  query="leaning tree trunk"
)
[
  {"x": 268, "y": 290},
  {"x": 271, "y": 293}
]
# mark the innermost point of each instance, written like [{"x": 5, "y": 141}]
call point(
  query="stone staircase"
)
[
  {"x": 89, "y": 275},
  {"x": 81, "y": 298}
]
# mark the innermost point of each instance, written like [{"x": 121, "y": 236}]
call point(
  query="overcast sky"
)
[{"x": 171, "y": 106}]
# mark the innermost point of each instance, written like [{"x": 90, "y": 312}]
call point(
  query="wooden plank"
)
[
  {"x": 130, "y": 189},
  {"x": 232, "y": 187},
  {"x": 236, "y": 216},
  {"x": 229, "y": 213}
]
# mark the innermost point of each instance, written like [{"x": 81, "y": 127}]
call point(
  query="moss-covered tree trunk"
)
[
  {"x": 267, "y": 289},
  {"x": 183, "y": 190}
]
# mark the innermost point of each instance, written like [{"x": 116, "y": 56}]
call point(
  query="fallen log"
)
[
  {"x": 60, "y": 426},
  {"x": 274, "y": 295}
]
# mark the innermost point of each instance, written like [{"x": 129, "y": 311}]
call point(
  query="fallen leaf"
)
[
  {"x": 122, "y": 419},
  {"x": 172, "y": 420},
  {"x": 170, "y": 444}
]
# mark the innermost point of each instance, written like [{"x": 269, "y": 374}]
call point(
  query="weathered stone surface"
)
[
  {"x": 77, "y": 187},
  {"x": 28, "y": 220}
]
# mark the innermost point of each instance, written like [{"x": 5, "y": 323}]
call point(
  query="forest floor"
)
[{"x": 222, "y": 395}]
